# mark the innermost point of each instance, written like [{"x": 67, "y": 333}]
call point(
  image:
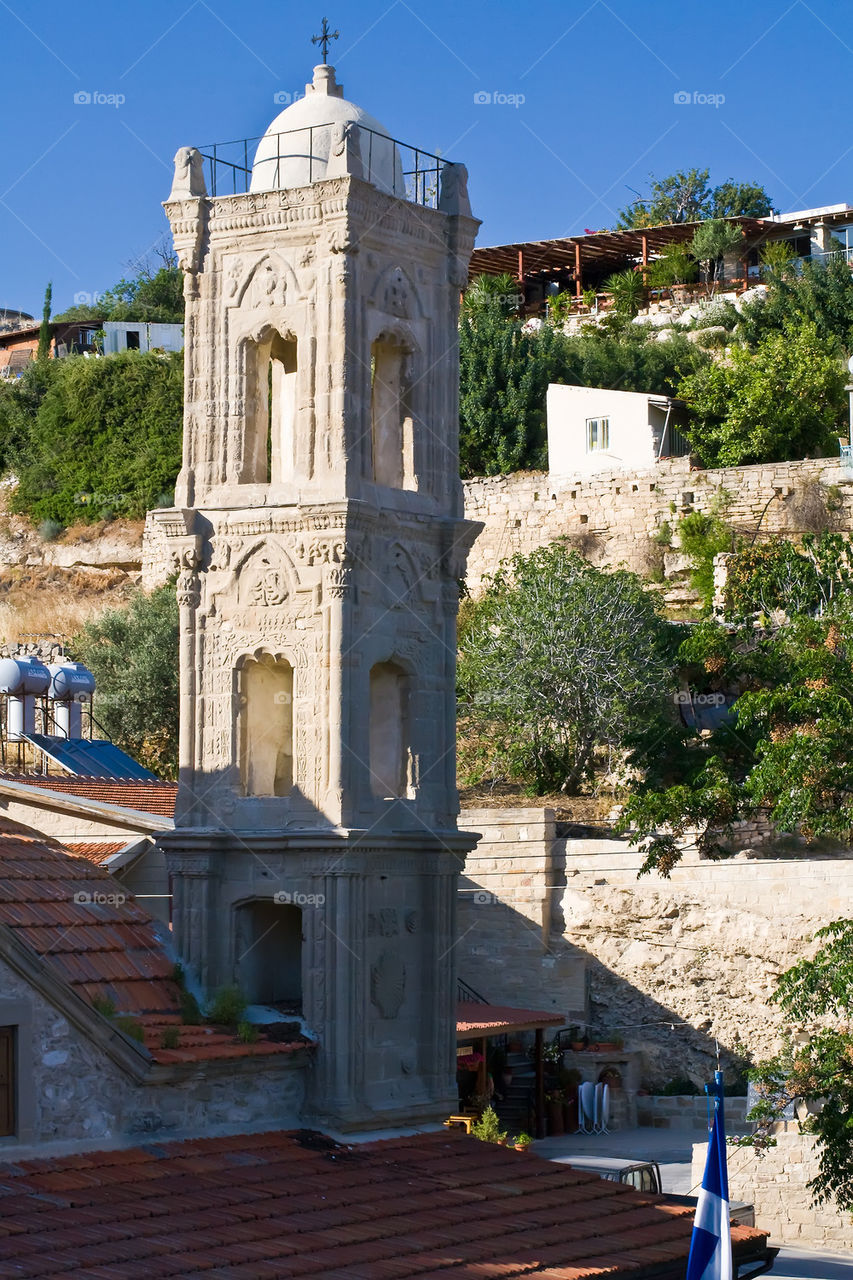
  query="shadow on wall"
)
[{"x": 529, "y": 937}]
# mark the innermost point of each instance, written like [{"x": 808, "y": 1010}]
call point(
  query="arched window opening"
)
[
  {"x": 391, "y": 417},
  {"x": 389, "y": 730},
  {"x": 268, "y": 452},
  {"x": 266, "y": 727},
  {"x": 269, "y": 954}
]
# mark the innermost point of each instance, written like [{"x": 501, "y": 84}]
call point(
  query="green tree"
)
[
  {"x": 20, "y": 399},
  {"x": 781, "y": 753},
  {"x": 686, "y": 196},
  {"x": 97, "y": 437},
  {"x": 702, "y": 536},
  {"x": 681, "y": 197},
  {"x": 504, "y": 375},
  {"x": 627, "y": 357},
  {"x": 503, "y": 291},
  {"x": 44, "y": 328},
  {"x": 557, "y": 660},
  {"x": 711, "y": 242},
  {"x": 155, "y": 296},
  {"x": 740, "y": 199},
  {"x": 784, "y": 400},
  {"x": 817, "y": 993},
  {"x": 133, "y": 652},
  {"x": 674, "y": 266},
  {"x": 777, "y": 259}
]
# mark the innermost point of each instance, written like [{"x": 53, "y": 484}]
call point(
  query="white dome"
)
[{"x": 294, "y": 151}]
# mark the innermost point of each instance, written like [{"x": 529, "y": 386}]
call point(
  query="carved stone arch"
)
[
  {"x": 398, "y": 333},
  {"x": 393, "y": 398},
  {"x": 265, "y": 575},
  {"x": 266, "y": 284},
  {"x": 261, "y": 329},
  {"x": 264, "y": 740},
  {"x": 395, "y": 293}
]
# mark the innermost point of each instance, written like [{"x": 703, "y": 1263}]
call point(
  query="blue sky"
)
[{"x": 81, "y": 182}]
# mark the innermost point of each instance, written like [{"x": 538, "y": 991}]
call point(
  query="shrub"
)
[
  {"x": 133, "y": 652},
  {"x": 488, "y": 1127},
  {"x": 784, "y": 400},
  {"x": 227, "y": 1006},
  {"x": 103, "y": 436}
]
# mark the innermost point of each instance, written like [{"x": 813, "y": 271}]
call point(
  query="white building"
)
[
  {"x": 592, "y": 429},
  {"x": 140, "y": 335}
]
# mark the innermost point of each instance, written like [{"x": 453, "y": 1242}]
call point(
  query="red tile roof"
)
[
  {"x": 497, "y": 1019},
  {"x": 437, "y": 1206},
  {"x": 146, "y": 797},
  {"x": 102, "y": 944},
  {"x": 97, "y": 851}
]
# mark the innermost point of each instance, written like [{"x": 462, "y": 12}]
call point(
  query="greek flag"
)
[{"x": 711, "y": 1245}]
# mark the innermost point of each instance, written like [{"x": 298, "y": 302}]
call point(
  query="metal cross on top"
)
[{"x": 324, "y": 37}]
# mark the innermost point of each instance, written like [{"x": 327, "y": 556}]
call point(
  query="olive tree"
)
[{"x": 557, "y": 660}]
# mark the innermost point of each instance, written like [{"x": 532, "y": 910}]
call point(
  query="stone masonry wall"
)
[
  {"x": 775, "y": 1182},
  {"x": 613, "y": 517},
  {"x": 81, "y": 1095},
  {"x": 677, "y": 964},
  {"x": 670, "y": 966},
  {"x": 508, "y": 951}
]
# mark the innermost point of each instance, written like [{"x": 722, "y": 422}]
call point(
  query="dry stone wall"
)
[{"x": 615, "y": 517}]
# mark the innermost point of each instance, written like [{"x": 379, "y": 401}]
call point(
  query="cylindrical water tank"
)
[
  {"x": 23, "y": 679},
  {"x": 71, "y": 686}
]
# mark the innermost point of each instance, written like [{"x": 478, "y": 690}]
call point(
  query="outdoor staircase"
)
[{"x": 515, "y": 1110}]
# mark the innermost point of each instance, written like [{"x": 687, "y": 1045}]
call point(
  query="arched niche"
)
[
  {"x": 389, "y": 731},
  {"x": 270, "y": 365},
  {"x": 391, "y": 416},
  {"x": 265, "y": 725}
]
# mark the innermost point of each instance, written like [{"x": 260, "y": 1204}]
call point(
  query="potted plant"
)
[{"x": 522, "y": 1142}]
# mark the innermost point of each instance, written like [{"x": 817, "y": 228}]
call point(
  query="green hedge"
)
[{"x": 95, "y": 438}]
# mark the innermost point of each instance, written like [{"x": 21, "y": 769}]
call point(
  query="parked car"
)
[{"x": 644, "y": 1175}]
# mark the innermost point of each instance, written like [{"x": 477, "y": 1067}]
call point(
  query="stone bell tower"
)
[{"x": 319, "y": 540}]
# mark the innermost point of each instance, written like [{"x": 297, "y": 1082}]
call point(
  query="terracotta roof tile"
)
[
  {"x": 97, "y": 851},
  {"x": 297, "y": 1204},
  {"x": 102, "y": 944},
  {"x": 478, "y": 1019},
  {"x": 145, "y": 797}
]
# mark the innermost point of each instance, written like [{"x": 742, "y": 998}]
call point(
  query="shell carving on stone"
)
[{"x": 388, "y": 984}]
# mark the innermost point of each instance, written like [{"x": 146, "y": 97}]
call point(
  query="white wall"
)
[
  {"x": 169, "y": 337},
  {"x": 631, "y": 437}
]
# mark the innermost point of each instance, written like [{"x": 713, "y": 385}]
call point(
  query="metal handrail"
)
[{"x": 421, "y": 180}]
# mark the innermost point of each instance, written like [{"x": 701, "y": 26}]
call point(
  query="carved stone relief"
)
[{"x": 388, "y": 984}]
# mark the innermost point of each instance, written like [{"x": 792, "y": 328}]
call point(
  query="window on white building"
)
[{"x": 597, "y": 434}]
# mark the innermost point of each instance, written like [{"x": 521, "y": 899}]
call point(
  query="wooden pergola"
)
[
  {"x": 478, "y": 1023},
  {"x": 571, "y": 260}
]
